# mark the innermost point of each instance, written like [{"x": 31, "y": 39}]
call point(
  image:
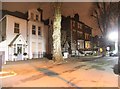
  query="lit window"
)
[
  {"x": 87, "y": 44},
  {"x": 33, "y": 30},
  {"x": 16, "y": 28},
  {"x": 39, "y": 31}
]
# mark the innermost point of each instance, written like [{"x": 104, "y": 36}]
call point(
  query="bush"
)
[
  {"x": 49, "y": 56},
  {"x": 24, "y": 54},
  {"x": 15, "y": 54}
]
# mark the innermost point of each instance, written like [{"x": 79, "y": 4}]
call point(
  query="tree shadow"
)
[{"x": 54, "y": 74}]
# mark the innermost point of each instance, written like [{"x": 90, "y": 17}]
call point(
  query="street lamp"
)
[{"x": 113, "y": 36}]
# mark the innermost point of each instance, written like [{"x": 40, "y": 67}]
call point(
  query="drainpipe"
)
[{"x": 41, "y": 15}]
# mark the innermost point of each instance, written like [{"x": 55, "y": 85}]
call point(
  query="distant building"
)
[
  {"x": 23, "y": 35},
  {"x": 78, "y": 34},
  {"x": 75, "y": 35}
]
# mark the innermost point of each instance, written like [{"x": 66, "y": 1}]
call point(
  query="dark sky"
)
[{"x": 68, "y": 8}]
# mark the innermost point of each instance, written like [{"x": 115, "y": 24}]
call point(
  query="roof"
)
[
  {"x": 16, "y": 14},
  {"x": 76, "y": 18},
  {"x": 22, "y": 15},
  {"x": 14, "y": 40}
]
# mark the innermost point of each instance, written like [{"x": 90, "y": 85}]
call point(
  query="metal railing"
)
[{"x": 38, "y": 55}]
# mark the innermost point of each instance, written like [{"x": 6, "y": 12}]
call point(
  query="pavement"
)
[{"x": 73, "y": 72}]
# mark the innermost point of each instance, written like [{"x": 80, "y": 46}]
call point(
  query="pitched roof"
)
[
  {"x": 14, "y": 40},
  {"x": 16, "y": 14}
]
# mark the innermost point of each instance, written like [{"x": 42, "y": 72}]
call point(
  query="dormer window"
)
[
  {"x": 16, "y": 28},
  {"x": 37, "y": 17}
]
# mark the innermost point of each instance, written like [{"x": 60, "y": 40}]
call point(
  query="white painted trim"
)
[{"x": 3, "y": 18}]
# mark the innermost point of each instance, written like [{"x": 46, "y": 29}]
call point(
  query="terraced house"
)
[
  {"x": 77, "y": 35},
  {"x": 23, "y": 35}
]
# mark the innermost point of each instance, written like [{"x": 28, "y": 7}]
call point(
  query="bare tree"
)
[
  {"x": 57, "y": 53},
  {"x": 105, "y": 13}
]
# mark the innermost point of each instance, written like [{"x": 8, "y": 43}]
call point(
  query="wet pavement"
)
[{"x": 71, "y": 73}]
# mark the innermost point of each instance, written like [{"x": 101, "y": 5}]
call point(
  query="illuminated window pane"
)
[{"x": 87, "y": 44}]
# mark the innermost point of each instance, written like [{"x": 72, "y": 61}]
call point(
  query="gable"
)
[
  {"x": 32, "y": 13},
  {"x": 18, "y": 40}
]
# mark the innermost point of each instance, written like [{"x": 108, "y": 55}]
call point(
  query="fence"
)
[{"x": 38, "y": 55}]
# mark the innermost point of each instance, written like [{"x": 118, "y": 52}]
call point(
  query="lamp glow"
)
[{"x": 113, "y": 36}]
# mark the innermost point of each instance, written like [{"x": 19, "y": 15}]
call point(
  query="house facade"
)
[
  {"x": 22, "y": 35},
  {"x": 76, "y": 34}
]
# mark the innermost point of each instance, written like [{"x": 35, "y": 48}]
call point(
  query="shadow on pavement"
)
[{"x": 54, "y": 74}]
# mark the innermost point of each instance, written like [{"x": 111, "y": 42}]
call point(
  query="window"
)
[
  {"x": 16, "y": 28},
  {"x": 87, "y": 37},
  {"x": 87, "y": 44},
  {"x": 39, "y": 31},
  {"x": 37, "y": 17},
  {"x": 32, "y": 16},
  {"x": 33, "y": 30}
]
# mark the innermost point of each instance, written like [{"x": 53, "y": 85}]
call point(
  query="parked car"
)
[{"x": 113, "y": 53}]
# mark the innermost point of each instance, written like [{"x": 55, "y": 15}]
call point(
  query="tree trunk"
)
[{"x": 57, "y": 53}]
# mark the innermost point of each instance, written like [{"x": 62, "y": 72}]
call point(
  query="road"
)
[{"x": 71, "y": 73}]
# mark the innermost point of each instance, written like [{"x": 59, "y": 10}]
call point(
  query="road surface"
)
[{"x": 71, "y": 73}]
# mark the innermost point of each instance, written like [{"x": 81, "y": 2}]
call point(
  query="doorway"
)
[{"x": 19, "y": 51}]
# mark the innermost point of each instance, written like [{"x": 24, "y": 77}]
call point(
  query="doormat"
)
[{"x": 7, "y": 74}]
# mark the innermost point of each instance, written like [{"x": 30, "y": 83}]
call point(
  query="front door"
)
[{"x": 19, "y": 51}]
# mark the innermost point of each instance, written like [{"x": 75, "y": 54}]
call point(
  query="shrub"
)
[
  {"x": 24, "y": 54},
  {"x": 15, "y": 54}
]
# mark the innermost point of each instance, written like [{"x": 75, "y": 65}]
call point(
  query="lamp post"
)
[{"x": 113, "y": 36}]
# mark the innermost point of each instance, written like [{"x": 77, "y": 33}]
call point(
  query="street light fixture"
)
[{"x": 113, "y": 36}]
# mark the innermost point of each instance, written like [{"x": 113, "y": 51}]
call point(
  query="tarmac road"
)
[{"x": 71, "y": 73}]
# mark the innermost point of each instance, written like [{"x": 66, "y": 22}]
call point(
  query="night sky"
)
[{"x": 68, "y": 8}]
